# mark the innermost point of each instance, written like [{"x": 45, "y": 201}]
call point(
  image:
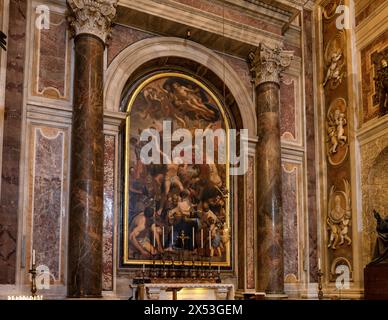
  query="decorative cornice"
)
[
  {"x": 91, "y": 16},
  {"x": 267, "y": 64}
]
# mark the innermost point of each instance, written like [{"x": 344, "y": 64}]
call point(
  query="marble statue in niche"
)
[
  {"x": 380, "y": 254},
  {"x": 336, "y": 131},
  {"x": 339, "y": 216},
  {"x": 380, "y": 61},
  {"x": 334, "y": 61}
]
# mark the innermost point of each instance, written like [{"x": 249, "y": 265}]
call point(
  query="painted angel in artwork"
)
[
  {"x": 336, "y": 123},
  {"x": 185, "y": 96}
]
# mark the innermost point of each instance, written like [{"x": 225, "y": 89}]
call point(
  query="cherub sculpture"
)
[
  {"x": 336, "y": 123},
  {"x": 334, "y": 72}
]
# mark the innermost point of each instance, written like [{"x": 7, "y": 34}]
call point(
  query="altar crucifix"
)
[{"x": 182, "y": 237}]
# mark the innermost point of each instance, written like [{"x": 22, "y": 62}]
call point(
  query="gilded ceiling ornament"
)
[
  {"x": 335, "y": 61},
  {"x": 91, "y": 16},
  {"x": 336, "y": 130},
  {"x": 267, "y": 64},
  {"x": 339, "y": 215}
]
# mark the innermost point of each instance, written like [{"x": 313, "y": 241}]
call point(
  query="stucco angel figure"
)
[
  {"x": 334, "y": 72},
  {"x": 336, "y": 123},
  {"x": 339, "y": 218}
]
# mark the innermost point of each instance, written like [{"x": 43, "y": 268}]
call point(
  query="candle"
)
[
  {"x": 201, "y": 238},
  {"x": 193, "y": 239},
  {"x": 154, "y": 236},
  {"x": 163, "y": 237},
  {"x": 319, "y": 263},
  {"x": 172, "y": 236},
  {"x": 33, "y": 256},
  {"x": 210, "y": 239}
]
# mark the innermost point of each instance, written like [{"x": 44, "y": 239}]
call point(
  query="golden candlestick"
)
[
  {"x": 320, "y": 292},
  {"x": 32, "y": 271}
]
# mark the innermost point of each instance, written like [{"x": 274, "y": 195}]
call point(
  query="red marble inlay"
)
[
  {"x": 290, "y": 220},
  {"x": 250, "y": 225},
  {"x": 287, "y": 108},
  {"x": 13, "y": 110},
  {"x": 52, "y": 55},
  {"x": 107, "y": 246},
  {"x": 310, "y": 143},
  {"x": 48, "y": 179},
  {"x": 242, "y": 69},
  {"x": 231, "y": 14},
  {"x": 123, "y": 37}
]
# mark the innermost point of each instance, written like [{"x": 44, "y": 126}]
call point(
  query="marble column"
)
[
  {"x": 267, "y": 64},
  {"x": 90, "y": 22}
]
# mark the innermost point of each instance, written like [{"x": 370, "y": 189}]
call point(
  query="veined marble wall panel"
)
[
  {"x": 291, "y": 113},
  {"x": 291, "y": 199},
  {"x": 250, "y": 224},
  {"x": 45, "y": 220},
  {"x": 231, "y": 14},
  {"x": 109, "y": 205},
  {"x": 310, "y": 136},
  {"x": 50, "y": 55},
  {"x": 242, "y": 69},
  {"x": 370, "y": 109},
  {"x": 122, "y": 37}
]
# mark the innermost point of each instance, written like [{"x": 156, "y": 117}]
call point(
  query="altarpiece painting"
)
[{"x": 180, "y": 210}]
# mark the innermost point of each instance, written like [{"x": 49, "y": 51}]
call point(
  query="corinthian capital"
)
[
  {"x": 267, "y": 64},
  {"x": 92, "y": 16}
]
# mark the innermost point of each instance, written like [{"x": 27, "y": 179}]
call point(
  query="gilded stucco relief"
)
[{"x": 337, "y": 132}]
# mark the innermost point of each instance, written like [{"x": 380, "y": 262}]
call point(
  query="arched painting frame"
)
[{"x": 203, "y": 190}]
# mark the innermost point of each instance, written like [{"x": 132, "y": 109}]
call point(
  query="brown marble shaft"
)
[
  {"x": 270, "y": 266},
  {"x": 12, "y": 140},
  {"x": 87, "y": 171}
]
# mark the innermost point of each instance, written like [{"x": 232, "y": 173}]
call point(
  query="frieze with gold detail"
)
[{"x": 337, "y": 118}]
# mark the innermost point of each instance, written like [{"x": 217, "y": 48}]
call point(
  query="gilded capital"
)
[
  {"x": 267, "y": 64},
  {"x": 91, "y": 16}
]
